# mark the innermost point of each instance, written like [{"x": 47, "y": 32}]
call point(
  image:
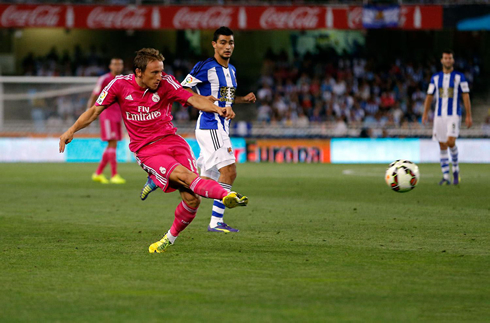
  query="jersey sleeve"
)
[
  {"x": 198, "y": 75},
  {"x": 98, "y": 86},
  {"x": 174, "y": 91},
  {"x": 432, "y": 87},
  {"x": 109, "y": 94},
  {"x": 463, "y": 85}
]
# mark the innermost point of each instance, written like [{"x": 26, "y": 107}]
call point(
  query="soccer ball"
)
[{"x": 402, "y": 176}]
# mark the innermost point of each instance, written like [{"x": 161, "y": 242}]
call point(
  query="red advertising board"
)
[
  {"x": 421, "y": 17},
  {"x": 116, "y": 17},
  {"x": 211, "y": 17},
  {"x": 32, "y": 16}
]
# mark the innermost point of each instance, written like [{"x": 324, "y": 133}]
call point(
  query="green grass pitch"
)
[{"x": 317, "y": 243}]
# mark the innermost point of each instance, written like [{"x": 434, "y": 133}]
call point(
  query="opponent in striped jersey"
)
[
  {"x": 448, "y": 87},
  {"x": 146, "y": 99},
  {"x": 110, "y": 125},
  {"x": 215, "y": 78}
]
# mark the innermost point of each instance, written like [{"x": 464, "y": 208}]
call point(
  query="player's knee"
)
[
  {"x": 451, "y": 142},
  {"x": 229, "y": 172},
  {"x": 112, "y": 144},
  {"x": 182, "y": 175},
  {"x": 193, "y": 201}
]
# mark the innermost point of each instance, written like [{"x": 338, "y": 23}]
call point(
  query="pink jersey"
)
[
  {"x": 113, "y": 112},
  {"x": 146, "y": 114}
]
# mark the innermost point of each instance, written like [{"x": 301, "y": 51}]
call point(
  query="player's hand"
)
[
  {"x": 250, "y": 98},
  {"x": 425, "y": 118},
  {"x": 65, "y": 139},
  {"x": 230, "y": 114},
  {"x": 469, "y": 121},
  {"x": 220, "y": 111},
  {"x": 211, "y": 98}
]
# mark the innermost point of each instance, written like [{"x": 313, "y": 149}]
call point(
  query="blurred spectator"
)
[{"x": 349, "y": 90}]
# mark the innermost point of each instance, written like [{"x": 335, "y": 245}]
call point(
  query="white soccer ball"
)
[{"x": 402, "y": 176}]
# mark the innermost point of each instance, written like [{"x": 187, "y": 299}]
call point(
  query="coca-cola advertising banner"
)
[{"x": 180, "y": 17}]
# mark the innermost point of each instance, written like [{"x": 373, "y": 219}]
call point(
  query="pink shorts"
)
[
  {"x": 160, "y": 158},
  {"x": 110, "y": 130}
]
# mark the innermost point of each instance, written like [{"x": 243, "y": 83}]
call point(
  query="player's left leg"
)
[
  {"x": 184, "y": 214},
  {"x": 453, "y": 149},
  {"x": 227, "y": 175}
]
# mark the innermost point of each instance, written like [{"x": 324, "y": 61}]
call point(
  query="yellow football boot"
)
[
  {"x": 100, "y": 178},
  {"x": 160, "y": 246},
  {"x": 117, "y": 179},
  {"x": 233, "y": 199}
]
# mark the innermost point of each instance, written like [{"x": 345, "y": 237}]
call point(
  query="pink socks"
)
[
  {"x": 208, "y": 188},
  {"x": 109, "y": 156},
  {"x": 184, "y": 215}
]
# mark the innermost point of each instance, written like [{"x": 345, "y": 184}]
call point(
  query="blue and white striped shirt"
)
[
  {"x": 210, "y": 78},
  {"x": 447, "y": 88}
]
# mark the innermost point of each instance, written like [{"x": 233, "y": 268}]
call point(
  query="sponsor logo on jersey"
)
[
  {"x": 188, "y": 80},
  {"x": 227, "y": 94},
  {"x": 449, "y": 93},
  {"x": 143, "y": 114},
  {"x": 129, "y": 97},
  {"x": 101, "y": 97}
]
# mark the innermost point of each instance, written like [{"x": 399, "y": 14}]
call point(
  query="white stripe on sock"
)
[{"x": 218, "y": 210}]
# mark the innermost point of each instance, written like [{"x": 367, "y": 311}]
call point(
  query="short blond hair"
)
[{"x": 145, "y": 56}]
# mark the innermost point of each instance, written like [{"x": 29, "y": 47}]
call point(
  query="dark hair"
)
[
  {"x": 145, "y": 56},
  {"x": 225, "y": 31},
  {"x": 448, "y": 51}
]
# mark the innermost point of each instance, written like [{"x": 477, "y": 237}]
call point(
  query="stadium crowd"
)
[
  {"x": 340, "y": 91},
  {"x": 346, "y": 90}
]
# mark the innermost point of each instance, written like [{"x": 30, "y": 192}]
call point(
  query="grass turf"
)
[{"x": 317, "y": 243}]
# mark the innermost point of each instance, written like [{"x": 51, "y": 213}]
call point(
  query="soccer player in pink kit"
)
[
  {"x": 110, "y": 125},
  {"x": 146, "y": 98}
]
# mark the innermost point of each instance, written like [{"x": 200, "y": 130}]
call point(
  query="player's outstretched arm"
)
[
  {"x": 201, "y": 103},
  {"x": 83, "y": 121},
  {"x": 249, "y": 98},
  {"x": 428, "y": 102},
  {"x": 467, "y": 107},
  {"x": 211, "y": 98}
]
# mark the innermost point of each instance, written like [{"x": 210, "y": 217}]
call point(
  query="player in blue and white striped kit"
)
[
  {"x": 448, "y": 87},
  {"x": 215, "y": 78}
]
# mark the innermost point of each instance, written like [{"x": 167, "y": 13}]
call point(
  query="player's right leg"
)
[
  {"x": 440, "y": 134},
  {"x": 184, "y": 214},
  {"x": 98, "y": 176},
  {"x": 444, "y": 159},
  {"x": 183, "y": 177},
  {"x": 105, "y": 135},
  {"x": 217, "y": 161}
]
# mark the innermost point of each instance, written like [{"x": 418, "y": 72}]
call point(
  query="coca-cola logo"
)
[
  {"x": 403, "y": 19},
  {"x": 211, "y": 18},
  {"x": 354, "y": 18},
  {"x": 299, "y": 18},
  {"x": 126, "y": 18},
  {"x": 41, "y": 16}
]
